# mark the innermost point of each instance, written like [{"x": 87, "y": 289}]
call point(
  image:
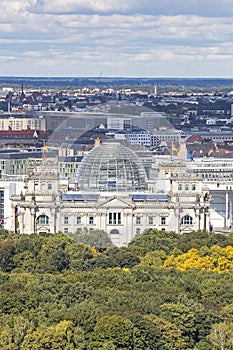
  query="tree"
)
[
  {"x": 85, "y": 314},
  {"x": 154, "y": 259},
  {"x": 116, "y": 329},
  {"x": 63, "y": 336},
  {"x": 95, "y": 238},
  {"x": 183, "y": 318},
  {"x": 188, "y": 260},
  {"x": 198, "y": 239},
  {"x": 153, "y": 240},
  {"x": 4, "y": 233},
  {"x": 221, "y": 336},
  {"x": 121, "y": 257},
  {"x": 27, "y": 248},
  {"x": 7, "y": 251},
  {"x": 59, "y": 253},
  {"x": 60, "y": 260},
  {"x": 154, "y": 333},
  {"x": 13, "y": 332}
]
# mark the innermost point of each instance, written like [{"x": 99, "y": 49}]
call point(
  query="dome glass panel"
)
[{"x": 111, "y": 167}]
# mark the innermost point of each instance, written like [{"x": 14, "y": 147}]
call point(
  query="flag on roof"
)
[
  {"x": 45, "y": 148},
  {"x": 190, "y": 156}
]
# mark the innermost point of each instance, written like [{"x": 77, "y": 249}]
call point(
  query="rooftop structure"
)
[
  {"x": 216, "y": 170},
  {"x": 111, "y": 167}
]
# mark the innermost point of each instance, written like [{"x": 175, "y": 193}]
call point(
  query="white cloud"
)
[
  {"x": 83, "y": 6},
  {"x": 131, "y": 36},
  {"x": 210, "y": 8},
  {"x": 141, "y": 57}
]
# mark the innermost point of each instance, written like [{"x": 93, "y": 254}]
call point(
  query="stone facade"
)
[{"x": 182, "y": 205}]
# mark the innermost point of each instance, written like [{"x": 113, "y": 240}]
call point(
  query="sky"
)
[{"x": 113, "y": 38}]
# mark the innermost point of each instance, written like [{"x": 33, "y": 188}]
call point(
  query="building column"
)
[
  {"x": 22, "y": 223},
  {"x": 128, "y": 226},
  {"x": 226, "y": 209},
  {"x": 202, "y": 218}
]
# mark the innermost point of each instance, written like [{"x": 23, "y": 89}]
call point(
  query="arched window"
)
[
  {"x": 193, "y": 187},
  {"x": 49, "y": 186},
  {"x": 179, "y": 187},
  {"x": 42, "y": 220},
  {"x": 186, "y": 220},
  {"x": 186, "y": 187},
  {"x": 114, "y": 232}
]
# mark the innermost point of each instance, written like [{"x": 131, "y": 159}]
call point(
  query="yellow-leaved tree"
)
[
  {"x": 189, "y": 260},
  {"x": 214, "y": 258}
]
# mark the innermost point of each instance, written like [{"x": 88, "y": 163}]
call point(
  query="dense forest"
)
[{"x": 164, "y": 291}]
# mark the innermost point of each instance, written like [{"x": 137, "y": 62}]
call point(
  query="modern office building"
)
[{"x": 164, "y": 136}]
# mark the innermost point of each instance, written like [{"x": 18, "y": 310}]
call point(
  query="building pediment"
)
[{"x": 116, "y": 202}]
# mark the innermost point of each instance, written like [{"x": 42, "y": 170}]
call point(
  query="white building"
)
[
  {"x": 22, "y": 123},
  {"x": 165, "y": 136},
  {"x": 135, "y": 138},
  {"x": 217, "y": 175},
  {"x": 114, "y": 195},
  {"x": 7, "y": 189}
]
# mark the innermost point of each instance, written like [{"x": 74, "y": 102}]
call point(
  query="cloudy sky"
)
[{"x": 131, "y": 38}]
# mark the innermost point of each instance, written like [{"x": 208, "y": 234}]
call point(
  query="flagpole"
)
[
  {"x": 44, "y": 156},
  {"x": 45, "y": 149}
]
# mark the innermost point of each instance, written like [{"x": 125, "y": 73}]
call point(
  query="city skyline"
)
[{"x": 116, "y": 38}]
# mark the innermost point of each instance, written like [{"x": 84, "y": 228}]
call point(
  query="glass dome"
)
[{"x": 111, "y": 167}]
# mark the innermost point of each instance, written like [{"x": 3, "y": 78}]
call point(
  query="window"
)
[
  {"x": 91, "y": 220},
  {"x": 49, "y": 186},
  {"x": 78, "y": 220},
  {"x": 193, "y": 187},
  {"x": 114, "y": 218},
  {"x": 42, "y": 220},
  {"x": 187, "y": 220},
  {"x": 163, "y": 220},
  {"x": 114, "y": 232},
  {"x": 66, "y": 230},
  {"x": 219, "y": 205},
  {"x": 150, "y": 220},
  {"x": 186, "y": 187},
  {"x": 66, "y": 220},
  {"x": 138, "y": 220},
  {"x": 138, "y": 231},
  {"x": 179, "y": 187},
  {"x": 2, "y": 207}
]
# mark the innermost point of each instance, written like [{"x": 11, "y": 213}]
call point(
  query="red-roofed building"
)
[
  {"x": 194, "y": 138},
  {"x": 25, "y": 138},
  {"x": 23, "y": 134}
]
